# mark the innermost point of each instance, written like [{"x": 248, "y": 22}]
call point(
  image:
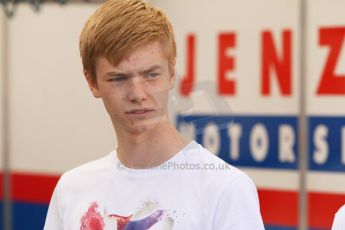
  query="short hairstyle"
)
[{"x": 119, "y": 26}]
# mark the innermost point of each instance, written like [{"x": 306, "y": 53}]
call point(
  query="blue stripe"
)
[
  {"x": 1, "y": 216},
  {"x": 271, "y": 124},
  {"x": 272, "y": 227},
  {"x": 318, "y": 228},
  {"x": 320, "y": 160},
  {"x": 28, "y": 216}
]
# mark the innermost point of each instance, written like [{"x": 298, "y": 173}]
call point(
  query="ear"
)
[
  {"x": 92, "y": 84},
  {"x": 172, "y": 74}
]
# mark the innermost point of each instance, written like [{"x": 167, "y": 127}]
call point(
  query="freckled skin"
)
[{"x": 119, "y": 97}]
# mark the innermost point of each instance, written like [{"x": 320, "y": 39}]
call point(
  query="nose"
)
[{"x": 137, "y": 92}]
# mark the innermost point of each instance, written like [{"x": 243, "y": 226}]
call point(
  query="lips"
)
[{"x": 139, "y": 111}]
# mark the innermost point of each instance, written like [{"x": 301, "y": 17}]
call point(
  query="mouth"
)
[{"x": 139, "y": 111}]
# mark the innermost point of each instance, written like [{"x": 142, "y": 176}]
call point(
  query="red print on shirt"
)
[{"x": 92, "y": 219}]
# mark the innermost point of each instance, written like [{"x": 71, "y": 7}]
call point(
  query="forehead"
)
[
  {"x": 152, "y": 51},
  {"x": 137, "y": 59}
]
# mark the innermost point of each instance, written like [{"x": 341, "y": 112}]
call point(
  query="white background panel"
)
[
  {"x": 323, "y": 14},
  {"x": 286, "y": 180},
  {"x": 1, "y": 87},
  {"x": 56, "y": 124},
  {"x": 248, "y": 19},
  {"x": 326, "y": 182}
]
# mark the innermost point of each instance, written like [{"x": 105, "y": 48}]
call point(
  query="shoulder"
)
[
  {"x": 213, "y": 166},
  {"x": 228, "y": 192},
  {"x": 340, "y": 215},
  {"x": 339, "y": 219},
  {"x": 88, "y": 173},
  {"x": 341, "y": 211},
  {"x": 216, "y": 173}
]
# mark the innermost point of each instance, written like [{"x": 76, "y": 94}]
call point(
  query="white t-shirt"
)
[
  {"x": 339, "y": 219},
  {"x": 192, "y": 190}
]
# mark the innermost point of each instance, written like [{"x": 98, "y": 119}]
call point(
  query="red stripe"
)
[
  {"x": 322, "y": 207},
  {"x": 279, "y": 207},
  {"x": 35, "y": 188}
]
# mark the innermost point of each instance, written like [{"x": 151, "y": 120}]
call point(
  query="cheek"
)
[
  {"x": 113, "y": 102},
  {"x": 161, "y": 97}
]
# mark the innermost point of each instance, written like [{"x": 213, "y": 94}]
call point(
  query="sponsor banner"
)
[{"x": 249, "y": 141}]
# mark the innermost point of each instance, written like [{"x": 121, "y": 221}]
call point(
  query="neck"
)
[{"x": 149, "y": 148}]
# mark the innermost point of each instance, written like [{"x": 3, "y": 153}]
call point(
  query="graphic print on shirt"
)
[{"x": 148, "y": 217}]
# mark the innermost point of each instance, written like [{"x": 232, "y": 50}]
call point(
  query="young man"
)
[
  {"x": 155, "y": 179},
  {"x": 339, "y": 219}
]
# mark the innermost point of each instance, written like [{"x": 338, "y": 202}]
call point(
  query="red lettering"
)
[
  {"x": 226, "y": 64},
  {"x": 186, "y": 86},
  {"x": 271, "y": 61},
  {"x": 331, "y": 83}
]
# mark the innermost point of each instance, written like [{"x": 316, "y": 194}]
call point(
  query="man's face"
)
[{"x": 135, "y": 92}]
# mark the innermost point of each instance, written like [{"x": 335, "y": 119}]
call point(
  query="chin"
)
[
  {"x": 144, "y": 126},
  {"x": 139, "y": 129}
]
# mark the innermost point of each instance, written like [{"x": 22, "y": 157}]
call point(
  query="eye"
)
[
  {"x": 152, "y": 75},
  {"x": 117, "y": 79}
]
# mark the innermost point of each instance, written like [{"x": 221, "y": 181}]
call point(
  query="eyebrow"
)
[
  {"x": 152, "y": 68},
  {"x": 115, "y": 73},
  {"x": 143, "y": 72}
]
